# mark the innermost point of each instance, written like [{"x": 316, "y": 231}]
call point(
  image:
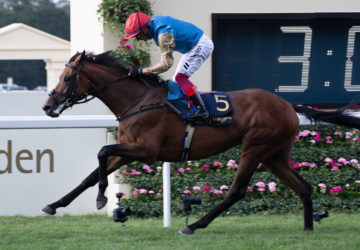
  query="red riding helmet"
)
[{"x": 135, "y": 23}]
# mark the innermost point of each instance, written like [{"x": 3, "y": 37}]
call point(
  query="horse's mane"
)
[{"x": 109, "y": 59}]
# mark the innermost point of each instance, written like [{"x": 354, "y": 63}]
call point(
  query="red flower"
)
[
  {"x": 128, "y": 47},
  {"x": 205, "y": 188}
]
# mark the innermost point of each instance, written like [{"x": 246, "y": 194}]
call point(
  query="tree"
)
[{"x": 41, "y": 14}]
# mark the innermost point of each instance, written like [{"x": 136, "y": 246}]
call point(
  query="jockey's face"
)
[{"x": 143, "y": 35}]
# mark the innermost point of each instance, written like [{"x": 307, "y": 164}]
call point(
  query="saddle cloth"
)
[{"x": 217, "y": 103}]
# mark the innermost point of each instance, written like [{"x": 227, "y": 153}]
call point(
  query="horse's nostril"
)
[{"x": 46, "y": 107}]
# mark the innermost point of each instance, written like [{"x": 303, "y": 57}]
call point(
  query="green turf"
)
[{"x": 339, "y": 231}]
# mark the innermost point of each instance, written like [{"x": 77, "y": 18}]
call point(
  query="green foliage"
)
[
  {"x": 133, "y": 55},
  {"x": 324, "y": 154},
  {"x": 115, "y": 12}
]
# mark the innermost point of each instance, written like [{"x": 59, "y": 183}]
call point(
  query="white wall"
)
[
  {"x": 74, "y": 153},
  {"x": 86, "y": 32},
  {"x": 75, "y": 157},
  {"x": 29, "y": 103}
]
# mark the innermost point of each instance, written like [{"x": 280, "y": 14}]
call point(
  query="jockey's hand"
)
[{"x": 135, "y": 72}]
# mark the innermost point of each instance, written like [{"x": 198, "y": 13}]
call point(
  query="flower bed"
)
[{"x": 326, "y": 156}]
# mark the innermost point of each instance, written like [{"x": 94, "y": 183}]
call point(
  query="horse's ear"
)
[
  {"x": 82, "y": 55},
  {"x": 79, "y": 57}
]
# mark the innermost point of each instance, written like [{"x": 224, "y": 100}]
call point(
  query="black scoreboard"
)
[{"x": 305, "y": 58}]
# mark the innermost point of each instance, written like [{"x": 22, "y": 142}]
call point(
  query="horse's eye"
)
[{"x": 67, "y": 79}]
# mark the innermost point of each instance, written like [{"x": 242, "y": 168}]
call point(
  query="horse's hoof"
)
[
  {"x": 101, "y": 202},
  {"x": 186, "y": 230},
  {"x": 48, "y": 210}
]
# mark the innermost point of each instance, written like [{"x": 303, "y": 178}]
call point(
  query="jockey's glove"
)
[{"x": 135, "y": 72}]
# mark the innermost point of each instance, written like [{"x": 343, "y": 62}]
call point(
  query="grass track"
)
[{"x": 339, "y": 231}]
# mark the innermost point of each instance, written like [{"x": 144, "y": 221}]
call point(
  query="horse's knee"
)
[{"x": 103, "y": 152}]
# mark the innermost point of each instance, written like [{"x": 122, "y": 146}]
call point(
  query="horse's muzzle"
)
[{"x": 50, "y": 111}]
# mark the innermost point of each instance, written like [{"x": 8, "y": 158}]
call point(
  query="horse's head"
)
[{"x": 69, "y": 90}]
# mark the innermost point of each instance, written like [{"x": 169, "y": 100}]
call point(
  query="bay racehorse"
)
[{"x": 264, "y": 124}]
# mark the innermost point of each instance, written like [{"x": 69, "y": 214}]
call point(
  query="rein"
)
[{"x": 71, "y": 99}]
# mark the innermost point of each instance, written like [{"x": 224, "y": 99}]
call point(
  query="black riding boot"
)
[{"x": 201, "y": 111}]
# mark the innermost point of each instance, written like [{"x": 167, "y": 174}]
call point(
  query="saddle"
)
[{"x": 217, "y": 103}]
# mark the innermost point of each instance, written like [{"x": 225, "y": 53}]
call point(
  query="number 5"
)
[{"x": 218, "y": 100}]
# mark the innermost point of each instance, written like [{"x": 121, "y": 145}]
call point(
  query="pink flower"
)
[
  {"x": 348, "y": 135},
  {"x": 186, "y": 191},
  {"x": 357, "y": 182},
  {"x": 135, "y": 192},
  {"x": 327, "y": 159},
  {"x": 295, "y": 165},
  {"x": 260, "y": 165},
  {"x": 337, "y": 132},
  {"x": 181, "y": 170},
  {"x": 230, "y": 163},
  {"x": 260, "y": 184},
  {"x": 354, "y": 161},
  {"x": 261, "y": 189},
  {"x": 224, "y": 187},
  {"x": 334, "y": 168},
  {"x": 151, "y": 192},
  {"x": 322, "y": 185},
  {"x": 196, "y": 188},
  {"x": 128, "y": 46},
  {"x": 250, "y": 189},
  {"x": 143, "y": 191},
  {"x": 312, "y": 165},
  {"x": 336, "y": 190},
  {"x": 272, "y": 186},
  {"x": 134, "y": 172},
  {"x": 123, "y": 41},
  {"x": 147, "y": 168},
  {"x": 206, "y": 188},
  {"x": 217, "y": 164},
  {"x": 303, "y": 164},
  {"x": 342, "y": 160},
  {"x": 217, "y": 191},
  {"x": 304, "y": 133},
  {"x": 317, "y": 137},
  {"x": 205, "y": 166}
]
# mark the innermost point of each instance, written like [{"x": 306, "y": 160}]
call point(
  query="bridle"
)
[{"x": 71, "y": 99}]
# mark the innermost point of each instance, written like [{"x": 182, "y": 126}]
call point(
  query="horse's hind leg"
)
[
  {"x": 279, "y": 166},
  {"x": 247, "y": 166}
]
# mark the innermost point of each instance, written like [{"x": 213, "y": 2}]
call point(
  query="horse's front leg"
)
[
  {"x": 89, "y": 181},
  {"x": 127, "y": 152}
]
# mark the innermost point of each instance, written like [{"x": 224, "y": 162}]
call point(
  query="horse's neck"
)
[{"x": 122, "y": 96}]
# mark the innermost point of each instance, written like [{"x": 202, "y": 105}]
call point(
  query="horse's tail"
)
[{"x": 337, "y": 117}]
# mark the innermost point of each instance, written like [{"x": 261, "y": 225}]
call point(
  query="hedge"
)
[{"x": 325, "y": 156}]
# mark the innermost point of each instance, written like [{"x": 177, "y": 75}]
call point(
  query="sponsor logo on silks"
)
[{"x": 192, "y": 58}]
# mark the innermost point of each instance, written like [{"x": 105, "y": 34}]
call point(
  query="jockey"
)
[{"x": 171, "y": 34}]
